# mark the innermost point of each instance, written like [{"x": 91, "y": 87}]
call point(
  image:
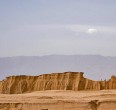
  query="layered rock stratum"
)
[
  {"x": 60, "y": 100},
  {"x": 56, "y": 81}
]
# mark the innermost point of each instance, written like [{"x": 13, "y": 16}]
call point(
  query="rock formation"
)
[
  {"x": 55, "y": 81},
  {"x": 0, "y": 86}
]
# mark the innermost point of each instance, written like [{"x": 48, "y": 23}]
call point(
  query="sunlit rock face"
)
[
  {"x": 55, "y": 81},
  {"x": 0, "y": 86}
]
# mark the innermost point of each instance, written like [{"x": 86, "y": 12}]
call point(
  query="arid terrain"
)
[
  {"x": 54, "y": 81},
  {"x": 57, "y": 55},
  {"x": 60, "y": 100},
  {"x": 57, "y": 91}
]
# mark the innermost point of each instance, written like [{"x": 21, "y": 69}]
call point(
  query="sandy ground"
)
[{"x": 60, "y": 100}]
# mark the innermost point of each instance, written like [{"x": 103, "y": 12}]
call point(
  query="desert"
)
[
  {"x": 57, "y": 91},
  {"x": 60, "y": 100},
  {"x": 57, "y": 55}
]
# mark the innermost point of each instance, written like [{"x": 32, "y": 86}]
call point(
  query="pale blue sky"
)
[{"x": 42, "y": 27}]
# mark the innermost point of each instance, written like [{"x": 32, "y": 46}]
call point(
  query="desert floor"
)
[{"x": 60, "y": 100}]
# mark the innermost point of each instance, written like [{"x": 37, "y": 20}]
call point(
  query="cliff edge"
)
[{"x": 55, "y": 81}]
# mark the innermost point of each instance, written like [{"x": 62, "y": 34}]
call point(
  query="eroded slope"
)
[{"x": 55, "y": 81}]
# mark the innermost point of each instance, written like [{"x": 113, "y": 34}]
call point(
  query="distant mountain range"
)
[{"x": 94, "y": 66}]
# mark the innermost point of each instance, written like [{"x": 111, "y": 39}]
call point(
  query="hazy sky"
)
[{"x": 42, "y": 27}]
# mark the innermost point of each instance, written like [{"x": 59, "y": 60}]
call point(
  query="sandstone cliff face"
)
[
  {"x": 0, "y": 86},
  {"x": 55, "y": 81}
]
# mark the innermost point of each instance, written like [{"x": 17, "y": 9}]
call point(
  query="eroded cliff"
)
[
  {"x": 55, "y": 81},
  {"x": 0, "y": 86}
]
